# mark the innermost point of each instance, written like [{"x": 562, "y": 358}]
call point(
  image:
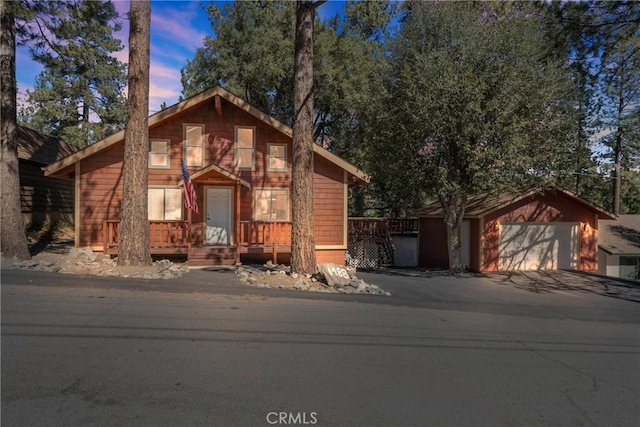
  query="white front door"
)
[{"x": 218, "y": 216}]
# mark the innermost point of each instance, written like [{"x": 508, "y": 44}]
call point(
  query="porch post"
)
[{"x": 237, "y": 222}]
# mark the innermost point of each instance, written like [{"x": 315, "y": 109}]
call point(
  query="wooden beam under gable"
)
[
  {"x": 218, "y": 102},
  {"x": 58, "y": 168}
]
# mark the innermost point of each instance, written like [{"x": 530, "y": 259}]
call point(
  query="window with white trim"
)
[
  {"x": 194, "y": 145},
  {"x": 245, "y": 147},
  {"x": 159, "y": 153},
  {"x": 271, "y": 204},
  {"x": 165, "y": 203},
  {"x": 277, "y": 157}
]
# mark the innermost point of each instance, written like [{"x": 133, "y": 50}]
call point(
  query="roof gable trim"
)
[{"x": 192, "y": 102}]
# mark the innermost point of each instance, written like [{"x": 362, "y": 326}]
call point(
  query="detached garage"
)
[{"x": 533, "y": 230}]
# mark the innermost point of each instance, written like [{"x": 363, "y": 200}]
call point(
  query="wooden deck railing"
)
[
  {"x": 377, "y": 229},
  {"x": 368, "y": 229},
  {"x": 403, "y": 225},
  {"x": 164, "y": 236},
  {"x": 260, "y": 233}
]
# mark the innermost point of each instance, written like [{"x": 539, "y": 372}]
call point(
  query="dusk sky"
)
[{"x": 177, "y": 30}]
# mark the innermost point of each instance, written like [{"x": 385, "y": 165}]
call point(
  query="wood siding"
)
[
  {"x": 44, "y": 199},
  {"x": 432, "y": 244},
  {"x": 100, "y": 179},
  {"x": 328, "y": 210},
  {"x": 100, "y": 194},
  {"x": 547, "y": 208},
  {"x": 432, "y": 247},
  {"x": 485, "y": 232},
  {"x": 474, "y": 244}
]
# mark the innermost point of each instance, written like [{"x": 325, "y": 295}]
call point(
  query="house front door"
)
[{"x": 218, "y": 215}]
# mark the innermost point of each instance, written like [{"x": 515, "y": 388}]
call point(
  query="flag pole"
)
[{"x": 188, "y": 231}]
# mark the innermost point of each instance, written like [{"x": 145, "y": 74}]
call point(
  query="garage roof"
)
[
  {"x": 621, "y": 236},
  {"x": 482, "y": 204}
]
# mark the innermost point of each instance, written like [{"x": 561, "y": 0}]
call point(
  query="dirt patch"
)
[{"x": 53, "y": 250}]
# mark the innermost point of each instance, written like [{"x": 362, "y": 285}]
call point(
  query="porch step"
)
[{"x": 212, "y": 255}]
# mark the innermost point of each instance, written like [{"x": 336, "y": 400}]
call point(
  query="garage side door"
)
[{"x": 526, "y": 246}]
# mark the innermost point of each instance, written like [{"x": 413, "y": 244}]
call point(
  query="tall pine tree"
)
[
  {"x": 13, "y": 240},
  {"x": 134, "y": 233},
  {"x": 79, "y": 95}
]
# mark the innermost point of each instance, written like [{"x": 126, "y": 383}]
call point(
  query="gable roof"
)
[
  {"x": 161, "y": 116},
  {"x": 215, "y": 168},
  {"x": 483, "y": 204},
  {"x": 621, "y": 236},
  {"x": 41, "y": 149}
]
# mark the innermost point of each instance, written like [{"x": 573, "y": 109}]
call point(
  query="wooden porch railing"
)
[
  {"x": 274, "y": 235},
  {"x": 254, "y": 233},
  {"x": 164, "y": 236}
]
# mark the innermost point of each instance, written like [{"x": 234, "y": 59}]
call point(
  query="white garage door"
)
[{"x": 526, "y": 246}]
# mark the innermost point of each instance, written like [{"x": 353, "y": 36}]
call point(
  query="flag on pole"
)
[{"x": 190, "y": 196}]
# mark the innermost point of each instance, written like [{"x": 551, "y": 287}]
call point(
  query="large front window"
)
[
  {"x": 165, "y": 204},
  {"x": 245, "y": 144},
  {"x": 194, "y": 144},
  {"x": 271, "y": 204}
]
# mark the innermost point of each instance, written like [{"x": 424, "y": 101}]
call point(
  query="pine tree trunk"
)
[
  {"x": 303, "y": 259},
  {"x": 134, "y": 233},
  {"x": 454, "y": 207},
  {"x": 13, "y": 241}
]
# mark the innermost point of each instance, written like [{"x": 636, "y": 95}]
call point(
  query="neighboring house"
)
[
  {"x": 43, "y": 199},
  {"x": 619, "y": 247},
  {"x": 555, "y": 229},
  {"x": 239, "y": 160}
]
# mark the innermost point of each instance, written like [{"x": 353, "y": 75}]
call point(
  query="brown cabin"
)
[
  {"x": 43, "y": 199},
  {"x": 239, "y": 160},
  {"x": 531, "y": 230}
]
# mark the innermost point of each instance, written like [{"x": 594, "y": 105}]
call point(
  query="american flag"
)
[{"x": 190, "y": 196}]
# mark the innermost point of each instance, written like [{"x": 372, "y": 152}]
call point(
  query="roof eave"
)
[{"x": 167, "y": 113}]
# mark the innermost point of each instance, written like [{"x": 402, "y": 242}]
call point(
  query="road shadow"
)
[
  {"x": 412, "y": 272},
  {"x": 542, "y": 282}
]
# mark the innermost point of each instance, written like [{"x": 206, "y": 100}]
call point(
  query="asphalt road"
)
[{"x": 86, "y": 351}]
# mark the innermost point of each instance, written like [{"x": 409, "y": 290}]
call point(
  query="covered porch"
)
[{"x": 176, "y": 238}]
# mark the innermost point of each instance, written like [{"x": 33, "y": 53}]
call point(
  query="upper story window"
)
[
  {"x": 165, "y": 203},
  {"x": 245, "y": 147},
  {"x": 159, "y": 153},
  {"x": 277, "y": 158},
  {"x": 194, "y": 145}
]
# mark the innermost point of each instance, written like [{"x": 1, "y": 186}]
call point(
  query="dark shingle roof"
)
[
  {"x": 42, "y": 149},
  {"x": 483, "y": 204},
  {"x": 477, "y": 205},
  {"x": 621, "y": 236}
]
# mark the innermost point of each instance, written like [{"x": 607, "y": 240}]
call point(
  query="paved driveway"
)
[
  {"x": 553, "y": 294},
  {"x": 563, "y": 281},
  {"x": 547, "y": 295}
]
